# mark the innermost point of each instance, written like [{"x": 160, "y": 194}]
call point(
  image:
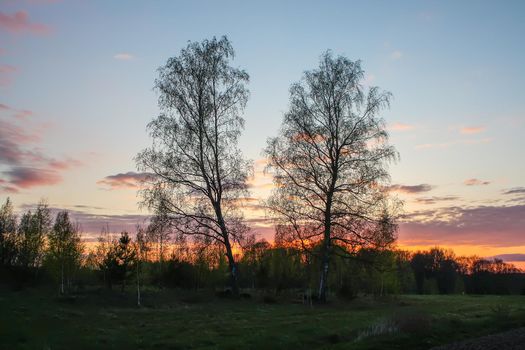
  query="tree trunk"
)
[
  {"x": 138, "y": 286},
  {"x": 327, "y": 242},
  {"x": 229, "y": 253},
  {"x": 233, "y": 269},
  {"x": 161, "y": 258},
  {"x": 62, "y": 279},
  {"x": 323, "y": 283}
]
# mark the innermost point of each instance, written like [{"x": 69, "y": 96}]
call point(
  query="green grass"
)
[{"x": 38, "y": 319}]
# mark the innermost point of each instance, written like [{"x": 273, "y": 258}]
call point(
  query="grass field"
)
[{"x": 38, "y": 319}]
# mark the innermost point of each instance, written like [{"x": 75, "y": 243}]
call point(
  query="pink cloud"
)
[
  {"x": 64, "y": 164},
  {"x": 401, "y": 127},
  {"x": 6, "y": 68},
  {"x": 475, "y": 182},
  {"x": 129, "y": 180},
  {"x": 23, "y": 114},
  {"x": 496, "y": 226},
  {"x": 19, "y": 23},
  {"x": 26, "y": 177},
  {"x": 124, "y": 56},
  {"x": 17, "y": 113},
  {"x": 8, "y": 189},
  {"x": 6, "y": 74},
  {"x": 469, "y": 130},
  {"x": 25, "y": 163},
  {"x": 13, "y": 134}
]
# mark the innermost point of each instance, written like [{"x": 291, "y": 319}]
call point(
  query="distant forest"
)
[{"x": 37, "y": 250}]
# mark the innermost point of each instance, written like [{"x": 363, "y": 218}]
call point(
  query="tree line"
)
[
  {"x": 35, "y": 243},
  {"x": 37, "y": 250}
]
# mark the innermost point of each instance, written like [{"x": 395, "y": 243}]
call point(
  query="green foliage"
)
[
  {"x": 32, "y": 231},
  {"x": 63, "y": 256},
  {"x": 8, "y": 237}
]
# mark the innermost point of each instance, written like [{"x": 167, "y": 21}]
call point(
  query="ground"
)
[{"x": 174, "y": 319}]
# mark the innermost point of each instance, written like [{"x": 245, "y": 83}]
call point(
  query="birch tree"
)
[
  {"x": 329, "y": 163},
  {"x": 65, "y": 249},
  {"x": 198, "y": 172},
  {"x": 32, "y": 231}
]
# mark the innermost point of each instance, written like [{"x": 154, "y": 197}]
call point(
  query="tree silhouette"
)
[
  {"x": 65, "y": 249},
  {"x": 125, "y": 257},
  {"x": 8, "y": 237},
  {"x": 330, "y": 161},
  {"x": 198, "y": 172},
  {"x": 32, "y": 231}
]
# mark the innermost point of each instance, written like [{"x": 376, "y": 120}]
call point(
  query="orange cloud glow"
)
[
  {"x": 401, "y": 127},
  {"x": 468, "y": 130}
]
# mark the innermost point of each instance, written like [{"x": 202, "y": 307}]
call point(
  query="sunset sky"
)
[{"x": 76, "y": 94}]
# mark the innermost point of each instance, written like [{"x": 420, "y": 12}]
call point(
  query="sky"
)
[{"x": 76, "y": 93}]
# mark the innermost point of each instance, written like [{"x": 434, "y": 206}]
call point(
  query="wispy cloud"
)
[
  {"x": 475, "y": 182},
  {"x": 497, "y": 226},
  {"x": 6, "y": 74},
  {"x": 396, "y": 55},
  {"x": 435, "y": 199},
  {"x": 401, "y": 127},
  {"x": 19, "y": 23},
  {"x": 17, "y": 113},
  {"x": 469, "y": 130},
  {"x": 454, "y": 143},
  {"x": 26, "y": 177},
  {"x": 516, "y": 195},
  {"x": 22, "y": 157},
  {"x": 129, "y": 180},
  {"x": 510, "y": 257},
  {"x": 410, "y": 189},
  {"x": 515, "y": 190},
  {"x": 123, "y": 56},
  {"x": 6, "y": 188}
]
